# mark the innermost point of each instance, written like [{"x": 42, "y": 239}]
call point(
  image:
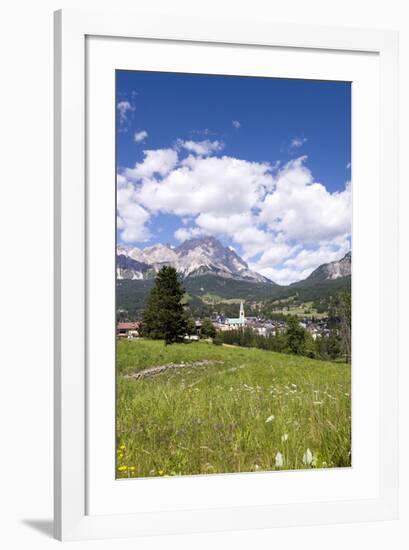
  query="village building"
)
[
  {"x": 232, "y": 322},
  {"x": 128, "y": 329}
]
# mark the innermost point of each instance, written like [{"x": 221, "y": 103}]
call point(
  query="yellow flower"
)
[
  {"x": 122, "y": 447},
  {"x": 122, "y": 468},
  {"x": 132, "y": 468}
]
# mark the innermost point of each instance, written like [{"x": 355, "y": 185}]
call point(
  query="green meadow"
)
[{"x": 217, "y": 409}]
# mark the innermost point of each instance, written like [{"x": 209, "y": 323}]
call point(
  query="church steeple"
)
[{"x": 241, "y": 316}]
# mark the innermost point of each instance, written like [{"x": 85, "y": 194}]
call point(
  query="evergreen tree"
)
[
  {"x": 295, "y": 336},
  {"x": 309, "y": 345},
  {"x": 343, "y": 306},
  {"x": 333, "y": 345},
  {"x": 208, "y": 330},
  {"x": 164, "y": 315},
  {"x": 152, "y": 326},
  {"x": 190, "y": 326}
]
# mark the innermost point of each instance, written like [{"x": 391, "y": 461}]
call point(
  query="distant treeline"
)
[
  {"x": 298, "y": 341},
  {"x": 260, "y": 299}
]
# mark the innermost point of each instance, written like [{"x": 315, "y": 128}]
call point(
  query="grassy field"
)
[
  {"x": 214, "y": 299},
  {"x": 307, "y": 310},
  {"x": 216, "y": 409}
]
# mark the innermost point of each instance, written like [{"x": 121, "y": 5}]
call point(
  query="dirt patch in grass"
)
[{"x": 154, "y": 371}]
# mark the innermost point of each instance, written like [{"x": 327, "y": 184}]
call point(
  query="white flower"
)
[
  {"x": 307, "y": 458},
  {"x": 279, "y": 460},
  {"x": 284, "y": 438},
  {"x": 270, "y": 418}
]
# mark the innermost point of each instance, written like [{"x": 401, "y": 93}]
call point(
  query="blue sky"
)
[{"x": 263, "y": 164}]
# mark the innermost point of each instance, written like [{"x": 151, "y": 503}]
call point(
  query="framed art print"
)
[
  {"x": 226, "y": 267},
  {"x": 218, "y": 247}
]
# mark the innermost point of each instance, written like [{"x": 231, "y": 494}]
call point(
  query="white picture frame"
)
[{"x": 73, "y": 519}]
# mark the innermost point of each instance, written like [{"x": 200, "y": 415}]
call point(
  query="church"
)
[{"x": 237, "y": 322}]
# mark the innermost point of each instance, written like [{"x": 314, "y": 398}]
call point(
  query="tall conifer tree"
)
[{"x": 164, "y": 315}]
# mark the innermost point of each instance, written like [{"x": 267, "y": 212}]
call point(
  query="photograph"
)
[{"x": 233, "y": 274}]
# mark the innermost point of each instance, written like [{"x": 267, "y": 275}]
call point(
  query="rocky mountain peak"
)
[
  {"x": 333, "y": 270},
  {"x": 194, "y": 257}
]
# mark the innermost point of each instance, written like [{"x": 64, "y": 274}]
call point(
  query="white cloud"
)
[
  {"x": 283, "y": 222},
  {"x": 159, "y": 161},
  {"x": 219, "y": 194},
  {"x": 236, "y": 124},
  {"x": 276, "y": 254},
  {"x": 297, "y": 142},
  {"x": 121, "y": 181},
  {"x": 296, "y": 263},
  {"x": 304, "y": 210},
  {"x": 140, "y": 136},
  {"x": 131, "y": 216},
  {"x": 282, "y": 275},
  {"x": 240, "y": 227},
  {"x": 124, "y": 107},
  {"x": 308, "y": 259},
  {"x": 131, "y": 220},
  {"x": 202, "y": 148},
  {"x": 219, "y": 186},
  {"x": 185, "y": 233}
]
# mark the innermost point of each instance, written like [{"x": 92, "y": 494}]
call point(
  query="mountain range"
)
[
  {"x": 214, "y": 274},
  {"x": 332, "y": 270},
  {"x": 193, "y": 258},
  {"x": 207, "y": 256}
]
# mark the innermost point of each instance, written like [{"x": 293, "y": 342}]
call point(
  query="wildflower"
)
[
  {"x": 284, "y": 438},
  {"x": 270, "y": 419},
  {"x": 122, "y": 468},
  {"x": 122, "y": 447},
  {"x": 307, "y": 458},
  {"x": 279, "y": 462},
  {"x": 132, "y": 468}
]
